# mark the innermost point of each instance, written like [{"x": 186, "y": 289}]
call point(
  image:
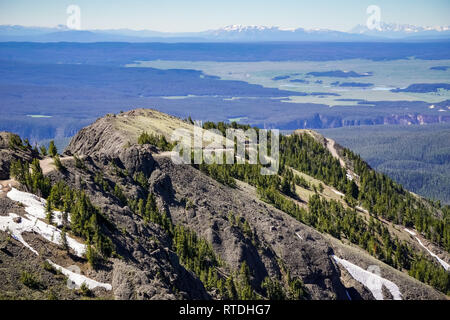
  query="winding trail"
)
[{"x": 331, "y": 146}]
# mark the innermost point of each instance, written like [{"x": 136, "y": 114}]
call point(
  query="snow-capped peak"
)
[
  {"x": 241, "y": 28},
  {"x": 398, "y": 28}
]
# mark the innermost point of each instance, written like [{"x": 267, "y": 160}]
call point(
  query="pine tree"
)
[
  {"x": 141, "y": 207},
  {"x": 231, "y": 289},
  {"x": 150, "y": 206},
  {"x": 320, "y": 187},
  {"x": 352, "y": 190},
  {"x": 49, "y": 212},
  {"x": 245, "y": 289},
  {"x": 274, "y": 290},
  {"x": 58, "y": 164},
  {"x": 247, "y": 229},
  {"x": 297, "y": 290},
  {"x": 64, "y": 243},
  {"x": 52, "y": 151},
  {"x": 91, "y": 256},
  {"x": 43, "y": 150}
]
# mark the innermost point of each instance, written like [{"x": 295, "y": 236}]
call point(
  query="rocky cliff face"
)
[
  {"x": 325, "y": 121},
  {"x": 146, "y": 267}
]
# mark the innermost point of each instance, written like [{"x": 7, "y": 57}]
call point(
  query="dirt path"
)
[
  {"x": 47, "y": 164},
  {"x": 331, "y": 147},
  {"x": 163, "y": 154}
]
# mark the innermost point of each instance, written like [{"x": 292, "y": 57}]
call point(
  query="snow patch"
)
[
  {"x": 7, "y": 224},
  {"x": 370, "y": 280},
  {"x": 78, "y": 279},
  {"x": 34, "y": 205},
  {"x": 442, "y": 262},
  {"x": 32, "y": 224},
  {"x": 338, "y": 193},
  {"x": 410, "y": 232}
]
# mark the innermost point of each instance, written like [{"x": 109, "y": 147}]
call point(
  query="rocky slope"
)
[{"x": 145, "y": 265}]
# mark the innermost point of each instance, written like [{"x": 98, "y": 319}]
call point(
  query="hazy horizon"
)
[{"x": 200, "y": 15}]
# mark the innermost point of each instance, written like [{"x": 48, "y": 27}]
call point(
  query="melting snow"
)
[
  {"x": 338, "y": 193},
  {"x": 35, "y": 208},
  {"x": 79, "y": 279},
  {"x": 442, "y": 262},
  {"x": 31, "y": 224},
  {"x": 34, "y": 205},
  {"x": 7, "y": 224},
  {"x": 410, "y": 232},
  {"x": 370, "y": 280},
  {"x": 349, "y": 175}
]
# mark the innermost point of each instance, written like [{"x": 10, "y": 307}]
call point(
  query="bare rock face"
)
[
  {"x": 161, "y": 184},
  {"x": 105, "y": 140},
  {"x": 112, "y": 134},
  {"x": 147, "y": 268},
  {"x": 131, "y": 283},
  {"x": 100, "y": 137},
  {"x": 274, "y": 233},
  {"x": 137, "y": 158}
]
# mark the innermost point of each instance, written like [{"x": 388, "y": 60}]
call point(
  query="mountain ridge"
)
[
  {"x": 242, "y": 230},
  {"x": 232, "y": 33}
]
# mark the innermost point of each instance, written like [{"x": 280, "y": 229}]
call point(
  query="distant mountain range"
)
[
  {"x": 232, "y": 33},
  {"x": 396, "y": 31}
]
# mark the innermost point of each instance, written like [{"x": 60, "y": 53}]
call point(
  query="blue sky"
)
[{"x": 199, "y": 15}]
